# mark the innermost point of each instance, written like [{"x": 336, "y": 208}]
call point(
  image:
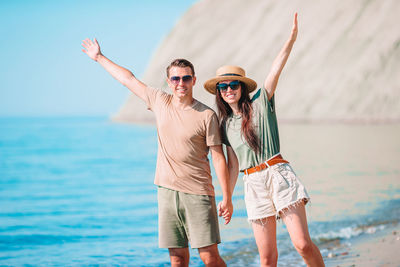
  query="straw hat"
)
[{"x": 229, "y": 73}]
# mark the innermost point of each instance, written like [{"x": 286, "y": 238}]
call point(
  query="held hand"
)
[
  {"x": 225, "y": 210},
  {"x": 92, "y": 48},
  {"x": 293, "y": 35}
]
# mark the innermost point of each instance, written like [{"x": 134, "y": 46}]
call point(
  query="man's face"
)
[{"x": 181, "y": 81}]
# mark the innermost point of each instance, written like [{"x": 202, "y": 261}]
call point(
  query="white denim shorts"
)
[{"x": 272, "y": 190}]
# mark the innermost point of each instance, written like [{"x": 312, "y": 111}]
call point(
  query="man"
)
[{"x": 187, "y": 130}]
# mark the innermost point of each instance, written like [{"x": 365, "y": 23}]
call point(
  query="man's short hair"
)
[{"x": 181, "y": 63}]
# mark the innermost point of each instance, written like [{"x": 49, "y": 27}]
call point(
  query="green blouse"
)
[{"x": 266, "y": 127}]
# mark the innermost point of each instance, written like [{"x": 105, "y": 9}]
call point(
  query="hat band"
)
[{"x": 231, "y": 74}]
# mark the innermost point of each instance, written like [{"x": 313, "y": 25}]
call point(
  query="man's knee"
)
[
  {"x": 210, "y": 256},
  {"x": 179, "y": 256},
  {"x": 177, "y": 261},
  {"x": 210, "y": 260}
]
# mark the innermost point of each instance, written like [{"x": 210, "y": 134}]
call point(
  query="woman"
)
[{"x": 272, "y": 189}]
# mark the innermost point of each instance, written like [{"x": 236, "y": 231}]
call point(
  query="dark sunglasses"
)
[
  {"x": 177, "y": 79},
  {"x": 234, "y": 85}
]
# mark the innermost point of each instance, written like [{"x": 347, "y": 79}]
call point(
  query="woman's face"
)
[{"x": 229, "y": 95}]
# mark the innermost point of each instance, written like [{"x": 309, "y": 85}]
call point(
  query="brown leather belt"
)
[{"x": 272, "y": 161}]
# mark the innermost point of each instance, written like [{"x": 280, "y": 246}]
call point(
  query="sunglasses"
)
[
  {"x": 223, "y": 87},
  {"x": 177, "y": 79}
]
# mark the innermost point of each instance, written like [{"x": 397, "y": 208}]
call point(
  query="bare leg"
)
[
  {"x": 210, "y": 256},
  {"x": 179, "y": 257},
  {"x": 265, "y": 235},
  {"x": 296, "y": 223}
]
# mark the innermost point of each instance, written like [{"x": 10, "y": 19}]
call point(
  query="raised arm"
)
[
  {"x": 124, "y": 76},
  {"x": 218, "y": 158},
  {"x": 272, "y": 79},
  {"x": 233, "y": 167}
]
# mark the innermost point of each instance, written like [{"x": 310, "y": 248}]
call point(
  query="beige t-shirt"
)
[{"x": 184, "y": 137}]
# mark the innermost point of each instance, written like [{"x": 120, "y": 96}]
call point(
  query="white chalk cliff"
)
[{"x": 344, "y": 66}]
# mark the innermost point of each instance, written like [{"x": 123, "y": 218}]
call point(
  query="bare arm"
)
[
  {"x": 233, "y": 167},
  {"x": 277, "y": 66},
  {"x": 124, "y": 76},
  {"x": 218, "y": 158}
]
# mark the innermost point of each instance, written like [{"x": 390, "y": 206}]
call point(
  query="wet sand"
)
[{"x": 378, "y": 249}]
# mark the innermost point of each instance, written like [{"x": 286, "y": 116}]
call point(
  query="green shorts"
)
[{"x": 184, "y": 218}]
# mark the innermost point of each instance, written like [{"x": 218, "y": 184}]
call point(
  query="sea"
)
[{"x": 78, "y": 191}]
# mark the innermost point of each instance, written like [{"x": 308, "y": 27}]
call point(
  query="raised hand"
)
[
  {"x": 293, "y": 35},
  {"x": 271, "y": 81},
  {"x": 92, "y": 48}
]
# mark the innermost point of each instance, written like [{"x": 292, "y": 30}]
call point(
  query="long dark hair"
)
[{"x": 246, "y": 110}]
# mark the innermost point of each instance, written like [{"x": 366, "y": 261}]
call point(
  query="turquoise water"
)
[{"x": 79, "y": 191}]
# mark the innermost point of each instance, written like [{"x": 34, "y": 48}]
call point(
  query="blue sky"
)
[{"x": 43, "y": 71}]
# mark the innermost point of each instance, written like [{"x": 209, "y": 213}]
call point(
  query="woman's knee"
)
[
  {"x": 304, "y": 246},
  {"x": 269, "y": 258}
]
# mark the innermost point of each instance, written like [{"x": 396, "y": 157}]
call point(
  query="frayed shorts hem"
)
[
  {"x": 277, "y": 215},
  {"x": 292, "y": 205},
  {"x": 260, "y": 218}
]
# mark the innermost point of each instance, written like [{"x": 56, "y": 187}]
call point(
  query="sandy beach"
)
[
  {"x": 379, "y": 248},
  {"x": 353, "y": 176}
]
